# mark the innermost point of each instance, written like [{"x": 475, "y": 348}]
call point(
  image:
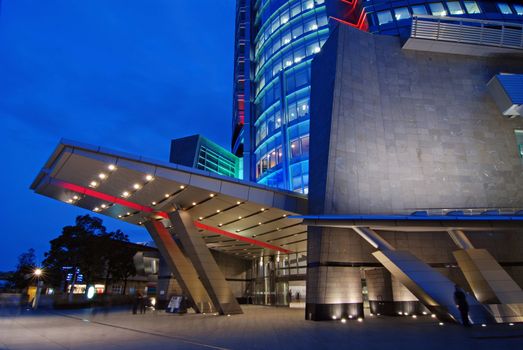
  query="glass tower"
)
[{"x": 275, "y": 43}]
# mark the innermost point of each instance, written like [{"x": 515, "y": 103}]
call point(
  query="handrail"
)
[
  {"x": 469, "y": 31},
  {"x": 468, "y": 20}
]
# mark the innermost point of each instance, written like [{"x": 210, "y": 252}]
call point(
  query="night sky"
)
[{"x": 124, "y": 74}]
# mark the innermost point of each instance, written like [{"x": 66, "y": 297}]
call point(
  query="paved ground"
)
[{"x": 259, "y": 328}]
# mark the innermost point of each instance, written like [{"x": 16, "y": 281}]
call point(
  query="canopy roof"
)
[{"x": 235, "y": 216}]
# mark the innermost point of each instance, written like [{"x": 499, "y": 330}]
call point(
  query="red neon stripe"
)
[
  {"x": 103, "y": 196},
  {"x": 112, "y": 199},
  {"x": 240, "y": 238}
]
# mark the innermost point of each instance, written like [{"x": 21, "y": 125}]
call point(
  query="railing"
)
[{"x": 469, "y": 31}]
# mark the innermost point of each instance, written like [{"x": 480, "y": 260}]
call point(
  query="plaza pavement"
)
[{"x": 258, "y": 328}]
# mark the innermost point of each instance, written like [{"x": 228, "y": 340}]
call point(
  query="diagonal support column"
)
[
  {"x": 490, "y": 283},
  {"x": 204, "y": 263},
  {"x": 182, "y": 268},
  {"x": 433, "y": 289}
]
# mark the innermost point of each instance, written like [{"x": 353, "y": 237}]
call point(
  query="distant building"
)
[{"x": 199, "y": 152}]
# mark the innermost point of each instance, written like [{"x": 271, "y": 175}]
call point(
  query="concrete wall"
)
[
  {"x": 406, "y": 131},
  {"x": 409, "y": 130}
]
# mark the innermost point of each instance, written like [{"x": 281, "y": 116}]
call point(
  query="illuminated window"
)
[
  {"x": 384, "y": 17},
  {"x": 472, "y": 7},
  {"x": 437, "y": 9},
  {"x": 519, "y": 140},
  {"x": 518, "y": 9},
  {"x": 455, "y": 8},
  {"x": 504, "y": 8},
  {"x": 401, "y": 13},
  {"x": 419, "y": 10}
]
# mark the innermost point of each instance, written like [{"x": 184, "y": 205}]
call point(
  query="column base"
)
[{"x": 329, "y": 312}]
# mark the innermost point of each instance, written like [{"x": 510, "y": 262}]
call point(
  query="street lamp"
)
[{"x": 37, "y": 273}]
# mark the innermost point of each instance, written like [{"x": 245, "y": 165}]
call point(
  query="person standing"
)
[{"x": 460, "y": 299}]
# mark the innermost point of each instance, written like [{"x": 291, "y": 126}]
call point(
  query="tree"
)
[
  {"x": 88, "y": 246},
  {"x": 24, "y": 269},
  {"x": 77, "y": 248},
  {"x": 119, "y": 258}
]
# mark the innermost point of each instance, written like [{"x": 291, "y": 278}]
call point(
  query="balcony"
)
[{"x": 464, "y": 36}]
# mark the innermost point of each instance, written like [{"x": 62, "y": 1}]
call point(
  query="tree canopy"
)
[{"x": 88, "y": 246}]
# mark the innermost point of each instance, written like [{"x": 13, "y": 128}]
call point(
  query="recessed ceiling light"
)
[
  {"x": 128, "y": 213},
  {"x": 193, "y": 203},
  {"x": 220, "y": 225},
  {"x": 239, "y": 217},
  {"x": 149, "y": 177},
  {"x": 238, "y": 202},
  {"x": 262, "y": 209},
  {"x": 111, "y": 167},
  {"x": 103, "y": 206},
  {"x": 102, "y": 176},
  {"x": 136, "y": 186},
  {"x": 69, "y": 200},
  {"x": 75, "y": 197},
  {"x": 211, "y": 195},
  {"x": 153, "y": 203},
  {"x": 125, "y": 194},
  {"x": 93, "y": 184},
  {"x": 217, "y": 210},
  {"x": 284, "y": 215},
  {"x": 259, "y": 223},
  {"x": 200, "y": 218},
  {"x": 167, "y": 195},
  {"x": 119, "y": 216},
  {"x": 182, "y": 187},
  {"x": 96, "y": 209}
]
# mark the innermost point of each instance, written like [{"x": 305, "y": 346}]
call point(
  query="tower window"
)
[{"x": 519, "y": 141}]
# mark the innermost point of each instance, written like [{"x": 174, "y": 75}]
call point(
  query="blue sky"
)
[{"x": 126, "y": 74}]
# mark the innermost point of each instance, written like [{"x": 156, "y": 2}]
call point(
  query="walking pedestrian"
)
[{"x": 460, "y": 299}]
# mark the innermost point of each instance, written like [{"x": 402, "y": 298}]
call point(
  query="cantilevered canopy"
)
[{"x": 234, "y": 216}]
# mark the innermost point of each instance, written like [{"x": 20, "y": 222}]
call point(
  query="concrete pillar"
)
[
  {"x": 433, "y": 289},
  {"x": 333, "y": 285},
  {"x": 210, "y": 274},
  {"x": 182, "y": 269},
  {"x": 489, "y": 282},
  {"x": 460, "y": 239}
]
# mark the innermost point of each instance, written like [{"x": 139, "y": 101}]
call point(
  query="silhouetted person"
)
[
  {"x": 137, "y": 302},
  {"x": 461, "y": 301},
  {"x": 143, "y": 304}
]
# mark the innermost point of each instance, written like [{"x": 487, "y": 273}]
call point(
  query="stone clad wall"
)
[
  {"x": 412, "y": 130},
  {"x": 394, "y": 131}
]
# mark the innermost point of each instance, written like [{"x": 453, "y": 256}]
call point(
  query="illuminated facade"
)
[{"x": 275, "y": 43}]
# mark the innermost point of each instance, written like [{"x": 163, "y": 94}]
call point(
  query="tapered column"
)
[
  {"x": 433, "y": 289},
  {"x": 489, "y": 282},
  {"x": 203, "y": 261},
  {"x": 182, "y": 269}
]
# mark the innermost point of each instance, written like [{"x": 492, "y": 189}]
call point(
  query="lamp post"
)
[{"x": 37, "y": 273}]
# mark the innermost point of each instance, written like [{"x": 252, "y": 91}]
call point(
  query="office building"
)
[{"x": 414, "y": 142}]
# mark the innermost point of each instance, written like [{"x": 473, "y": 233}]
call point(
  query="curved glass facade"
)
[{"x": 287, "y": 34}]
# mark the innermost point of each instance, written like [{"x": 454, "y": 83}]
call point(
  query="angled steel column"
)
[
  {"x": 203, "y": 261},
  {"x": 182, "y": 269},
  {"x": 490, "y": 283},
  {"x": 433, "y": 289}
]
